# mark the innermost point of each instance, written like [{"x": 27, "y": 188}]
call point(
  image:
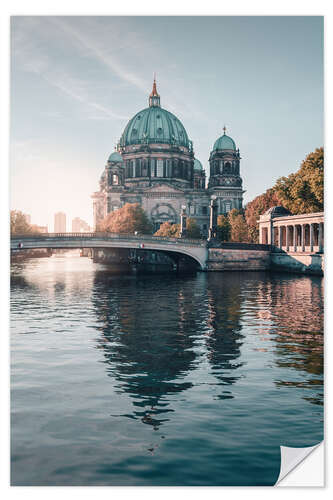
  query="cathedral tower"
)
[{"x": 225, "y": 181}]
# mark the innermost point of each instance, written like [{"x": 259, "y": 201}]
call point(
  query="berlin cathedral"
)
[{"x": 154, "y": 165}]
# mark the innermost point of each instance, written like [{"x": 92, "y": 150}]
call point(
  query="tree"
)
[
  {"x": 223, "y": 228},
  {"x": 127, "y": 219},
  {"x": 257, "y": 207},
  {"x": 19, "y": 224},
  {"x": 239, "y": 228},
  {"x": 173, "y": 230},
  {"x": 192, "y": 229},
  {"x": 303, "y": 191},
  {"x": 169, "y": 230}
]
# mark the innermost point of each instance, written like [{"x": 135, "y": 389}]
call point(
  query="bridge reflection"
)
[{"x": 151, "y": 362}]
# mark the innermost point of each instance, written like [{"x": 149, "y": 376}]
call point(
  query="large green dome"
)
[
  {"x": 224, "y": 142},
  {"x": 154, "y": 125}
]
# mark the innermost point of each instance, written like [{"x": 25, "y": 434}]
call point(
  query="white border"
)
[{"x": 142, "y": 7}]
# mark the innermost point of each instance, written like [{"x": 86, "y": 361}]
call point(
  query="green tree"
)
[
  {"x": 223, "y": 228},
  {"x": 169, "y": 230},
  {"x": 19, "y": 224},
  {"x": 303, "y": 191},
  {"x": 127, "y": 219}
]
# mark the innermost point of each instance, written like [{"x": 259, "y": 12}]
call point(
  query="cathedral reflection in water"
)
[{"x": 157, "y": 338}]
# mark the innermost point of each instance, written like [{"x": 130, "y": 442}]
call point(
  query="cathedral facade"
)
[{"x": 154, "y": 165}]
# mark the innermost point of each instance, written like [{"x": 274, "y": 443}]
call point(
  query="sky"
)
[{"x": 77, "y": 81}]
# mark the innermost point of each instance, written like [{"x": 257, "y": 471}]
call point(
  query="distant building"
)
[
  {"x": 80, "y": 226},
  {"x": 60, "y": 222}
]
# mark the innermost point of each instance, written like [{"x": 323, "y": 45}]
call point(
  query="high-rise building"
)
[
  {"x": 80, "y": 226},
  {"x": 60, "y": 222}
]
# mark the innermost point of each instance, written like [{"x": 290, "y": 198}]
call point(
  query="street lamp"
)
[
  {"x": 212, "y": 218},
  {"x": 183, "y": 218}
]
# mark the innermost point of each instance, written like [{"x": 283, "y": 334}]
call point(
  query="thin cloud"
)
[
  {"x": 33, "y": 58},
  {"x": 74, "y": 89},
  {"x": 99, "y": 51}
]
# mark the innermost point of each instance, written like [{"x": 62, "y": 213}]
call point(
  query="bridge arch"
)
[{"x": 196, "y": 249}]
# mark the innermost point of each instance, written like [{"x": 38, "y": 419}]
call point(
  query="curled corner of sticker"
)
[{"x": 291, "y": 458}]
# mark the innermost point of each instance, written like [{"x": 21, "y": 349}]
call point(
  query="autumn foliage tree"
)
[
  {"x": 127, "y": 219},
  {"x": 168, "y": 230},
  {"x": 239, "y": 228},
  {"x": 257, "y": 207},
  {"x": 300, "y": 192},
  {"x": 232, "y": 227},
  {"x": 19, "y": 223},
  {"x": 303, "y": 191},
  {"x": 173, "y": 230},
  {"x": 192, "y": 229},
  {"x": 223, "y": 228}
]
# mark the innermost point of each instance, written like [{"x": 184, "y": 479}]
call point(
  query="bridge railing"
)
[{"x": 110, "y": 236}]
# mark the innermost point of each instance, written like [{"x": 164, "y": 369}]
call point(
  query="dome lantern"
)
[{"x": 154, "y": 98}]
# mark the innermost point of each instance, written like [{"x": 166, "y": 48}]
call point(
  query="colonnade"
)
[
  {"x": 293, "y": 233},
  {"x": 299, "y": 237}
]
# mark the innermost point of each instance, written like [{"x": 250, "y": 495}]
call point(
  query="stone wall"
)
[
  {"x": 231, "y": 259},
  {"x": 37, "y": 253},
  {"x": 298, "y": 263}
]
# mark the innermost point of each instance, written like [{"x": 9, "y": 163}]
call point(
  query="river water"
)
[{"x": 161, "y": 380}]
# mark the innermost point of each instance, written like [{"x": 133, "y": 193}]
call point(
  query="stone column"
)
[
  {"x": 280, "y": 237},
  {"x": 320, "y": 236},
  {"x": 302, "y": 237},
  {"x": 212, "y": 219},
  {"x": 311, "y": 237},
  {"x": 295, "y": 238},
  {"x": 287, "y": 238}
]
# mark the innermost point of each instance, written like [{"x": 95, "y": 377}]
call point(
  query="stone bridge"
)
[{"x": 197, "y": 249}]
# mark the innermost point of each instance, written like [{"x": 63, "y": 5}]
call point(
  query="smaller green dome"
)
[
  {"x": 224, "y": 142},
  {"x": 115, "y": 157},
  {"x": 197, "y": 165}
]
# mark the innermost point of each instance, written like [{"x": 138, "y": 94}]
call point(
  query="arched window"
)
[
  {"x": 175, "y": 168},
  {"x": 159, "y": 168},
  {"x": 181, "y": 170},
  {"x": 152, "y": 167},
  {"x": 144, "y": 169},
  {"x": 137, "y": 168},
  {"x": 115, "y": 179},
  {"x": 168, "y": 168},
  {"x": 227, "y": 167}
]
